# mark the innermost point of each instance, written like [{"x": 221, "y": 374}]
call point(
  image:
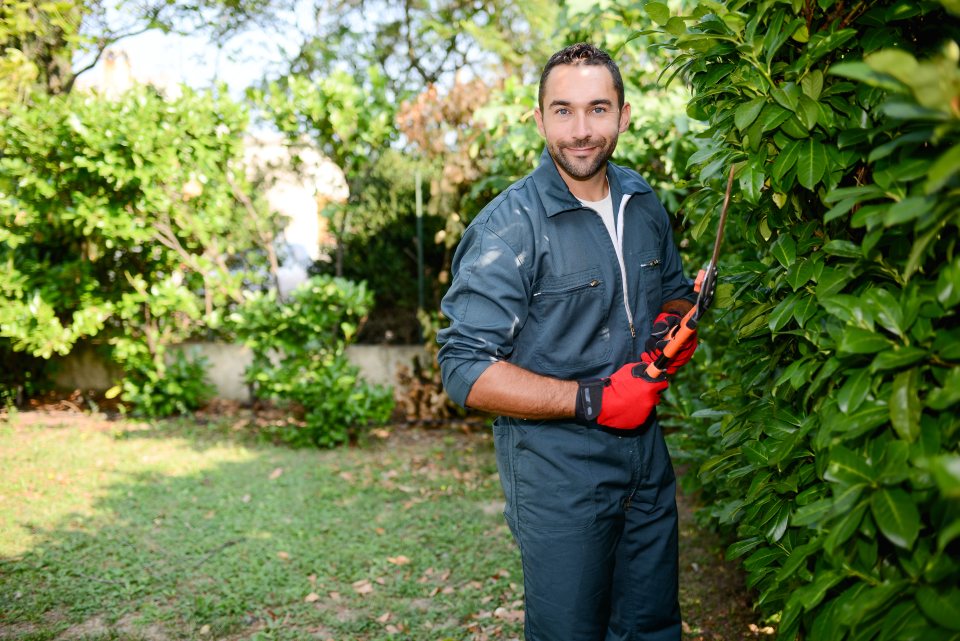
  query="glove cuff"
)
[{"x": 589, "y": 399}]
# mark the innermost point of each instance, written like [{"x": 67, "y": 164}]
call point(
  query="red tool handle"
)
[{"x": 679, "y": 336}]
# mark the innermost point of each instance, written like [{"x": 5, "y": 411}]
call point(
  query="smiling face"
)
[{"x": 581, "y": 120}]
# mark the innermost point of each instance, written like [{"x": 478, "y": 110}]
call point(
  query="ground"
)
[{"x": 119, "y": 530}]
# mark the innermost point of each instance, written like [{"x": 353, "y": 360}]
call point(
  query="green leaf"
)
[
  {"x": 896, "y": 516},
  {"x": 812, "y": 514},
  {"x": 943, "y": 170},
  {"x": 941, "y": 398},
  {"x": 844, "y": 528},
  {"x": 796, "y": 559},
  {"x": 658, "y": 12},
  {"x": 811, "y": 163},
  {"x": 905, "y": 406},
  {"x": 897, "y": 358},
  {"x": 861, "y": 341},
  {"x": 946, "y": 473},
  {"x": 948, "y": 284},
  {"x": 747, "y": 113},
  {"x": 812, "y": 594},
  {"x": 812, "y": 83},
  {"x": 848, "y": 467},
  {"x": 840, "y": 209},
  {"x": 808, "y": 111},
  {"x": 843, "y": 248},
  {"x": 885, "y": 309},
  {"x": 782, "y": 313},
  {"x": 801, "y": 272},
  {"x": 941, "y": 606},
  {"x": 854, "y": 390},
  {"x": 864, "y": 73},
  {"x": 784, "y": 249},
  {"x": 676, "y": 26},
  {"x": 908, "y": 209}
]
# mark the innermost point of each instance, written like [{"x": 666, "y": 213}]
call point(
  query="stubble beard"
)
[{"x": 583, "y": 169}]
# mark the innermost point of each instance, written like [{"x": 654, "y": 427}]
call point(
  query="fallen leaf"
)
[
  {"x": 283, "y": 555},
  {"x": 383, "y": 618},
  {"x": 334, "y": 596},
  {"x": 205, "y": 629},
  {"x": 312, "y": 579},
  {"x": 363, "y": 586},
  {"x": 312, "y": 597},
  {"x": 513, "y": 616},
  {"x": 398, "y": 560},
  {"x": 246, "y": 498},
  {"x": 276, "y": 473}
]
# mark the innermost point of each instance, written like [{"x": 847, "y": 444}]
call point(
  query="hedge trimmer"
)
[{"x": 705, "y": 286}]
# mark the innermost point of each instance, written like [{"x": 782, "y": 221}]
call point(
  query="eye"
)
[
  {"x": 562, "y": 111},
  {"x": 599, "y": 109}
]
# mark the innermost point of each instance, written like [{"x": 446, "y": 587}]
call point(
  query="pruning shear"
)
[{"x": 705, "y": 286}]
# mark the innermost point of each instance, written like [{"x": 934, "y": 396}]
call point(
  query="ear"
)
[
  {"x": 538, "y": 116},
  {"x": 625, "y": 117}
]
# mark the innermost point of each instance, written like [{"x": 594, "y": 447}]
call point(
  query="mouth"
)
[{"x": 582, "y": 150}]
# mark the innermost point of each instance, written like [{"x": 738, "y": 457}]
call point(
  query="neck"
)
[{"x": 592, "y": 189}]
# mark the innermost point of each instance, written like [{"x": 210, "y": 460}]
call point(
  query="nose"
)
[{"x": 581, "y": 126}]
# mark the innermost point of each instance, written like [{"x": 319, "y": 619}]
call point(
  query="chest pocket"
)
[
  {"x": 569, "y": 327},
  {"x": 651, "y": 280}
]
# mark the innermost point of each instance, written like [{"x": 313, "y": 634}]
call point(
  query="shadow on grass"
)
[{"x": 194, "y": 532}]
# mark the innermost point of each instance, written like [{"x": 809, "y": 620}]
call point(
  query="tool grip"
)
[{"x": 681, "y": 334}]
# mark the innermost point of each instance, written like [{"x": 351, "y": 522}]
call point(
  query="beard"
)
[{"x": 583, "y": 168}]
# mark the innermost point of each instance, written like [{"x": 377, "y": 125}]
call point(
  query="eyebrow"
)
[{"x": 592, "y": 103}]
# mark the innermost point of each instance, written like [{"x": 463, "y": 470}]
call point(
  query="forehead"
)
[{"x": 579, "y": 83}]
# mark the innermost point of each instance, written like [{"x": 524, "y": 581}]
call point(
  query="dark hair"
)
[{"x": 582, "y": 54}]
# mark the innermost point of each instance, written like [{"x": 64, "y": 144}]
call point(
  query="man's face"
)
[{"x": 580, "y": 119}]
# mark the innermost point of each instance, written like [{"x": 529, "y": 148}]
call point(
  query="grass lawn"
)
[{"x": 173, "y": 530}]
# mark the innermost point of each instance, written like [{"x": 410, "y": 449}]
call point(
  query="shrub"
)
[
  {"x": 299, "y": 357},
  {"x": 178, "y": 388},
  {"x": 832, "y": 433}
]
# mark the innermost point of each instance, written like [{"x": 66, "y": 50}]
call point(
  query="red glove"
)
[
  {"x": 663, "y": 329},
  {"x": 623, "y": 401}
]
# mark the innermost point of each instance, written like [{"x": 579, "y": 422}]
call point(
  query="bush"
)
[
  {"x": 299, "y": 357},
  {"x": 832, "y": 434},
  {"x": 178, "y": 388}
]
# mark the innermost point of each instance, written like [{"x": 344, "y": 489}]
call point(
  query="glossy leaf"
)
[
  {"x": 941, "y": 605},
  {"x": 905, "y": 405},
  {"x": 896, "y": 516},
  {"x": 811, "y": 163}
]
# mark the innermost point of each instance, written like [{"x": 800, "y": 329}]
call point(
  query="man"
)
[{"x": 556, "y": 287}]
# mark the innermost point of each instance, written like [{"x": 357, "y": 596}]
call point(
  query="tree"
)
[
  {"x": 41, "y": 40},
  {"x": 122, "y": 219}
]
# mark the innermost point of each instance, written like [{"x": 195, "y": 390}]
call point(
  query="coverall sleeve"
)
[{"x": 486, "y": 304}]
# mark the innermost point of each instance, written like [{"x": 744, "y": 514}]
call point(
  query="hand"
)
[
  {"x": 623, "y": 401},
  {"x": 663, "y": 328}
]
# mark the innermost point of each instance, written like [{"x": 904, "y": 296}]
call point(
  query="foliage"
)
[
  {"x": 424, "y": 44},
  {"x": 351, "y": 123},
  {"x": 45, "y": 46},
  {"x": 121, "y": 218},
  {"x": 298, "y": 347},
  {"x": 832, "y": 386},
  {"x": 179, "y": 387}
]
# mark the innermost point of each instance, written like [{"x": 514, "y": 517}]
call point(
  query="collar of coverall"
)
[{"x": 556, "y": 197}]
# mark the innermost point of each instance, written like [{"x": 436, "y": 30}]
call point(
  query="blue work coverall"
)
[{"x": 537, "y": 282}]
